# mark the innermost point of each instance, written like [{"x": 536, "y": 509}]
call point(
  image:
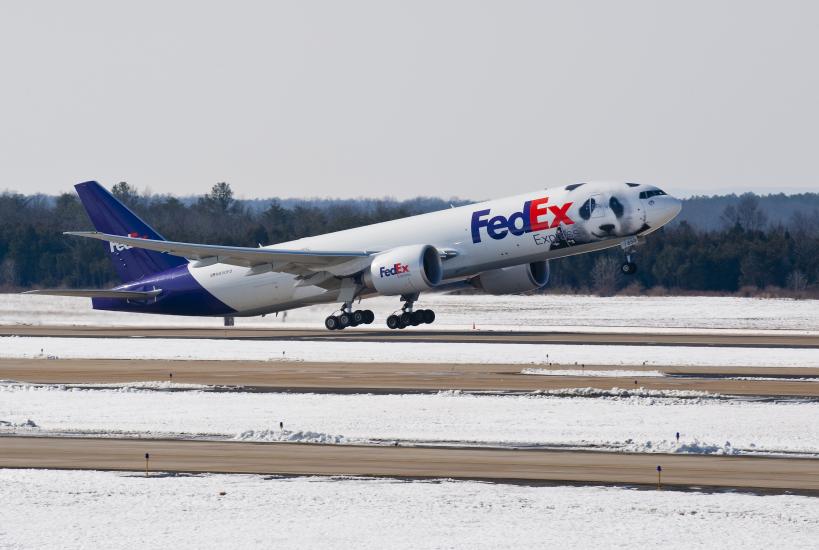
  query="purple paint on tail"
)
[{"x": 111, "y": 216}]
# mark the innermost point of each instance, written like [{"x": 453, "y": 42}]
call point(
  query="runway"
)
[
  {"x": 332, "y": 377},
  {"x": 788, "y": 340},
  {"x": 501, "y": 465}
]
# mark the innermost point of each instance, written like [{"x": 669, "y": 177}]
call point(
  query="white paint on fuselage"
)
[{"x": 451, "y": 230}]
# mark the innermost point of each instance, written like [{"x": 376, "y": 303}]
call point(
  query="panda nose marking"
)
[{"x": 607, "y": 227}]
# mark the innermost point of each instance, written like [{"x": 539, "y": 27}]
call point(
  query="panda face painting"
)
[
  {"x": 607, "y": 211},
  {"x": 607, "y": 218}
]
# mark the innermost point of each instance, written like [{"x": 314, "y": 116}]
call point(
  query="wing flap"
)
[
  {"x": 88, "y": 293},
  {"x": 296, "y": 261}
]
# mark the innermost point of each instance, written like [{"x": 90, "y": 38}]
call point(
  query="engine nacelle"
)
[
  {"x": 515, "y": 279},
  {"x": 405, "y": 270}
]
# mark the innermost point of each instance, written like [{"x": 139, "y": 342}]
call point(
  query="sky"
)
[{"x": 442, "y": 98}]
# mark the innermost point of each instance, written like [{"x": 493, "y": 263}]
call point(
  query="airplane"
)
[{"x": 500, "y": 246}]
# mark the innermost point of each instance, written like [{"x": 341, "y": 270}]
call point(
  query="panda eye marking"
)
[
  {"x": 587, "y": 209},
  {"x": 616, "y": 207}
]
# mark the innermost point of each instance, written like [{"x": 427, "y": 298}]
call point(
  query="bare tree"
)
[
  {"x": 606, "y": 275},
  {"x": 746, "y": 213},
  {"x": 796, "y": 281}
]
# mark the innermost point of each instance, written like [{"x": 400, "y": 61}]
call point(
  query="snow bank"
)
[
  {"x": 293, "y": 437},
  {"x": 127, "y": 510},
  {"x": 558, "y": 355}
]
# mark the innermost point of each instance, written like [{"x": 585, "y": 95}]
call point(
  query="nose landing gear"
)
[
  {"x": 408, "y": 317},
  {"x": 629, "y": 267}
]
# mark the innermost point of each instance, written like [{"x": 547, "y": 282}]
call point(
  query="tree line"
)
[{"x": 740, "y": 252}]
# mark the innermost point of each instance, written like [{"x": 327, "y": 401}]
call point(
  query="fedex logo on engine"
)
[
  {"x": 119, "y": 247},
  {"x": 397, "y": 269},
  {"x": 537, "y": 215}
]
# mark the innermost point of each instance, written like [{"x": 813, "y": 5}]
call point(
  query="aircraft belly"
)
[{"x": 261, "y": 292}]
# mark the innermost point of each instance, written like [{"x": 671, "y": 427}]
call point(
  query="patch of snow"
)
[
  {"x": 605, "y": 422},
  {"x": 594, "y": 373},
  {"x": 126, "y": 510},
  {"x": 537, "y": 312},
  {"x": 556, "y": 355}
]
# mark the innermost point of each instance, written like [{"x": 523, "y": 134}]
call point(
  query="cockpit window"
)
[{"x": 652, "y": 193}]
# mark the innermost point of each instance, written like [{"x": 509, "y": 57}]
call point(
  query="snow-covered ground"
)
[
  {"x": 401, "y": 352},
  {"x": 75, "y": 509},
  {"x": 628, "y": 422},
  {"x": 544, "y": 312}
]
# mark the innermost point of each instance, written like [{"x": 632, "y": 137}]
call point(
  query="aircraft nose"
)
[
  {"x": 675, "y": 207},
  {"x": 665, "y": 209}
]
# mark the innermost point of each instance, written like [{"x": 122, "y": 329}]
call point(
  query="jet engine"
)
[
  {"x": 405, "y": 270},
  {"x": 513, "y": 280}
]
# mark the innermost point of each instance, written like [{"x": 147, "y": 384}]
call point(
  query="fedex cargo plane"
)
[{"x": 501, "y": 246}]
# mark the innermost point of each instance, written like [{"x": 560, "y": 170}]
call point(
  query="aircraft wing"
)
[
  {"x": 299, "y": 262},
  {"x": 121, "y": 294}
]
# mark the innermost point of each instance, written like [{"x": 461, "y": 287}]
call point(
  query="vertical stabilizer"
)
[{"x": 111, "y": 216}]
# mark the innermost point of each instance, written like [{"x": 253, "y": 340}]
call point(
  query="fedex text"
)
[{"x": 537, "y": 215}]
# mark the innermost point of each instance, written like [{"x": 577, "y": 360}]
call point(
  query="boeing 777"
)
[{"x": 501, "y": 246}]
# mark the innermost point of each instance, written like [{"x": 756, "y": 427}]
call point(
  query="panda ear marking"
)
[
  {"x": 573, "y": 186},
  {"x": 633, "y": 184}
]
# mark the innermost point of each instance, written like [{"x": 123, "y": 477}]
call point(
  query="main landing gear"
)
[
  {"x": 349, "y": 318},
  {"x": 408, "y": 317}
]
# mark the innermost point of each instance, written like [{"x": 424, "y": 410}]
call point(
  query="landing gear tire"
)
[
  {"x": 358, "y": 317},
  {"x": 628, "y": 268},
  {"x": 417, "y": 317},
  {"x": 345, "y": 319},
  {"x": 428, "y": 316},
  {"x": 393, "y": 322},
  {"x": 332, "y": 323},
  {"x": 369, "y": 316}
]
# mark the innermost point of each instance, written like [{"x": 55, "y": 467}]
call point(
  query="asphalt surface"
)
[
  {"x": 418, "y": 334},
  {"x": 531, "y": 466},
  {"x": 402, "y": 377}
]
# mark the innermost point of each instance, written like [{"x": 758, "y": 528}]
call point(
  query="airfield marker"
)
[
  {"x": 147, "y": 457},
  {"x": 659, "y": 477}
]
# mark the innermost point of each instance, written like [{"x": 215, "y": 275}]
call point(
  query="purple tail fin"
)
[{"x": 111, "y": 216}]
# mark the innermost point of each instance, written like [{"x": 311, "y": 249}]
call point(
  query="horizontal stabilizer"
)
[{"x": 82, "y": 293}]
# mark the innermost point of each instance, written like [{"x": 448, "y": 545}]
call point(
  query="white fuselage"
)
[{"x": 571, "y": 220}]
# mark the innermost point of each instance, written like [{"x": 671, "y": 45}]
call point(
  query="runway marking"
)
[{"x": 500, "y": 465}]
